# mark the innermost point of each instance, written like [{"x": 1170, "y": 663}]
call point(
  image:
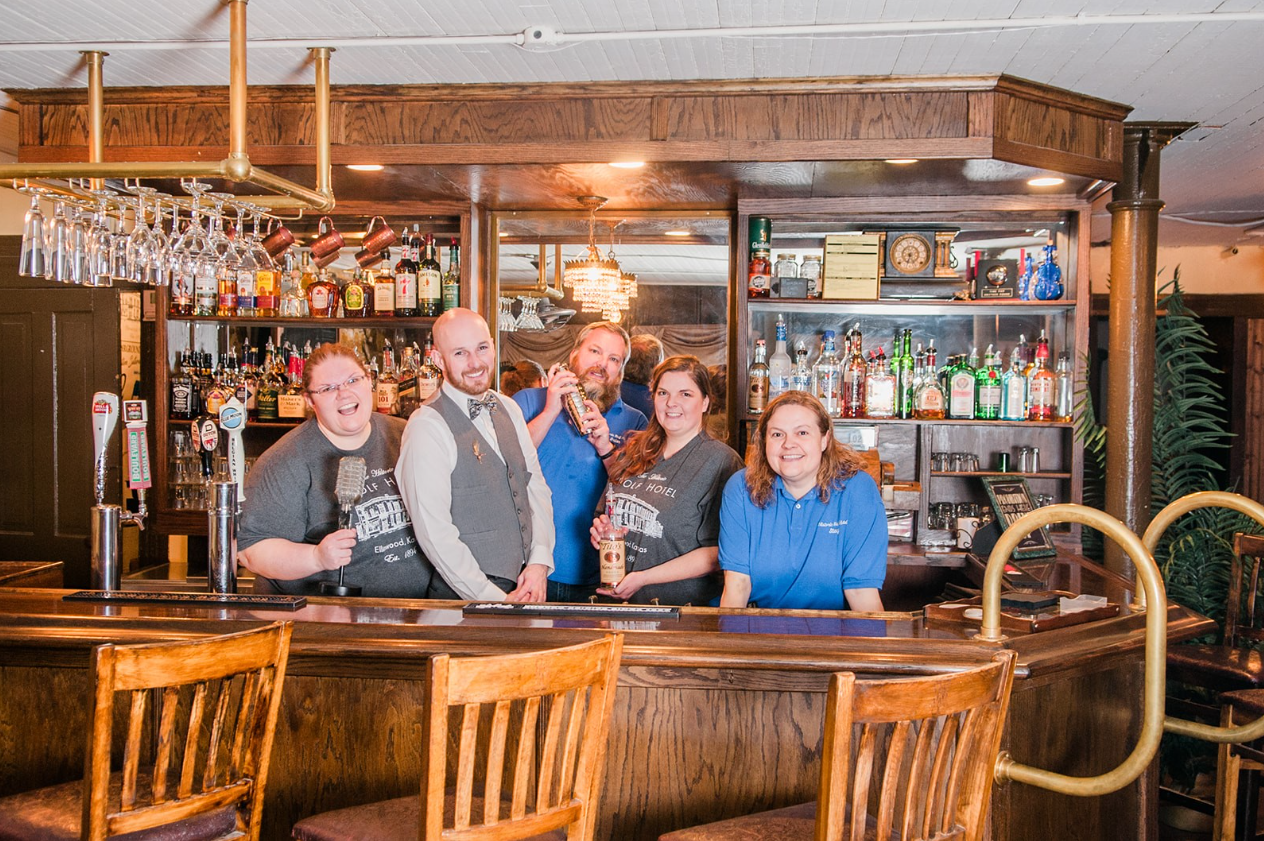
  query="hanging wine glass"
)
[
  {"x": 140, "y": 256},
  {"x": 99, "y": 242},
  {"x": 193, "y": 262},
  {"x": 60, "y": 258},
  {"x": 160, "y": 244},
  {"x": 34, "y": 257}
]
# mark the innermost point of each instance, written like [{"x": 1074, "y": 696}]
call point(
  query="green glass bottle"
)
[{"x": 987, "y": 387}]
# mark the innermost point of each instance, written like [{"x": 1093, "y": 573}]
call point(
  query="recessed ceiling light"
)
[
  {"x": 677, "y": 233},
  {"x": 901, "y": 161},
  {"x": 503, "y": 234},
  {"x": 366, "y": 167},
  {"x": 628, "y": 164},
  {"x": 1046, "y": 181}
]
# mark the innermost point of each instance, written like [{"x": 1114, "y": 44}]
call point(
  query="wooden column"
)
[{"x": 1130, "y": 368}]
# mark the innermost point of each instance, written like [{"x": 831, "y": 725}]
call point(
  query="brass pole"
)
[
  {"x": 238, "y": 162},
  {"x": 1155, "y": 648},
  {"x": 324, "y": 168},
  {"x": 114, "y": 169},
  {"x": 1134, "y": 214},
  {"x": 95, "y": 60}
]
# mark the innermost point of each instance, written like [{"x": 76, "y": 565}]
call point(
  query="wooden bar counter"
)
[{"x": 717, "y": 713}]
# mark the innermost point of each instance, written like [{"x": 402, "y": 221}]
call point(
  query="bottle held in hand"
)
[
  {"x": 611, "y": 550},
  {"x": 575, "y": 407}
]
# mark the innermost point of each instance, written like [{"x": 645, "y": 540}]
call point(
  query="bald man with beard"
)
[{"x": 471, "y": 480}]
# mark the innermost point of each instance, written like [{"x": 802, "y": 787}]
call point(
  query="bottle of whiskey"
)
[
  {"x": 827, "y": 376},
  {"x": 929, "y": 401},
  {"x": 226, "y": 297},
  {"x": 384, "y": 289},
  {"x": 407, "y": 382},
  {"x": 759, "y": 275},
  {"x": 429, "y": 377},
  {"x": 290, "y": 403},
  {"x": 265, "y": 286},
  {"x": 452, "y": 278},
  {"x": 406, "y": 278},
  {"x": 270, "y": 384},
  {"x": 322, "y": 296},
  {"x": 184, "y": 400},
  {"x": 386, "y": 393},
  {"x": 429, "y": 281},
  {"x": 758, "y": 376},
  {"x": 1041, "y": 384},
  {"x": 355, "y": 296}
]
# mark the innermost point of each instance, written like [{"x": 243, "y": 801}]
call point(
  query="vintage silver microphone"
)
[{"x": 351, "y": 474}]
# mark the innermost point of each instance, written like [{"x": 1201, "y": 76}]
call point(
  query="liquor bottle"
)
[
  {"x": 929, "y": 401},
  {"x": 1014, "y": 390},
  {"x": 234, "y": 376},
  {"x": 407, "y": 383},
  {"x": 987, "y": 387},
  {"x": 855, "y": 374},
  {"x": 1046, "y": 284},
  {"x": 384, "y": 289},
  {"x": 827, "y": 377},
  {"x": 429, "y": 377},
  {"x": 759, "y": 275},
  {"x": 293, "y": 298},
  {"x": 779, "y": 363},
  {"x": 265, "y": 287},
  {"x": 452, "y": 278},
  {"x": 184, "y": 401},
  {"x": 1064, "y": 390},
  {"x": 801, "y": 375},
  {"x": 386, "y": 393},
  {"x": 182, "y": 288},
  {"x": 322, "y": 296},
  {"x": 205, "y": 288},
  {"x": 880, "y": 388},
  {"x": 758, "y": 375},
  {"x": 270, "y": 384},
  {"x": 902, "y": 368},
  {"x": 406, "y": 281},
  {"x": 1026, "y": 353},
  {"x": 217, "y": 394},
  {"x": 226, "y": 296},
  {"x": 250, "y": 378},
  {"x": 1041, "y": 384},
  {"x": 290, "y": 403},
  {"x": 355, "y": 296},
  {"x": 429, "y": 279},
  {"x": 1025, "y": 272},
  {"x": 961, "y": 391}
]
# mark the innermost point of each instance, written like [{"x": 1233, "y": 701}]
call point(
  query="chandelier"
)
[{"x": 596, "y": 282}]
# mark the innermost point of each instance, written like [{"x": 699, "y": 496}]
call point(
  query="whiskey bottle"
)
[
  {"x": 226, "y": 299},
  {"x": 322, "y": 296},
  {"x": 429, "y": 281},
  {"x": 386, "y": 393},
  {"x": 384, "y": 289},
  {"x": 406, "y": 279},
  {"x": 290, "y": 403},
  {"x": 758, "y": 376},
  {"x": 407, "y": 383},
  {"x": 429, "y": 377},
  {"x": 355, "y": 296},
  {"x": 929, "y": 401},
  {"x": 184, "y": 401},
  {"x": 759, "y": 275}
]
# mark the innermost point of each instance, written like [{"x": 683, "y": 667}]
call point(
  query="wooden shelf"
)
[
  {"x": 910, "y": 307},
  {"x": 749, "y": 417},
  {"x": 332, "y": 323},
  {"x": 968, "y": 473}
]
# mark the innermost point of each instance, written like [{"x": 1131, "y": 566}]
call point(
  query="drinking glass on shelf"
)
[
  {"x": 528, "y": 318},
  {"x": 939, "y": 462},
  {"x": 34, "y": 258},
  {"x": 505, "y": 320}
]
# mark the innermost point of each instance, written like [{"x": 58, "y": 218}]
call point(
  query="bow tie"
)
[{"x": 475, "y": 406}]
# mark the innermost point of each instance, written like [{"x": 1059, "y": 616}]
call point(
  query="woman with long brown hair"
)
[
  {"x": 664, "y": 492},
  {"x": 802, "y": 527}
]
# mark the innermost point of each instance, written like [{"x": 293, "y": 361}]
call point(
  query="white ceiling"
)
[{"x": 1172, "y": 60}]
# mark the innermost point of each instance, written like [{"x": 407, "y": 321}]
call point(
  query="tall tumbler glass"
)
[{"x": 34, "y": 258}]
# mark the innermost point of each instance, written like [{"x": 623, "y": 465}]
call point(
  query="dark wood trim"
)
[{"x": 1206, "y": 306}]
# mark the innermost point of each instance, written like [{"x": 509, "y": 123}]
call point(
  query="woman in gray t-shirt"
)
[{"x": 665, "y": 489}]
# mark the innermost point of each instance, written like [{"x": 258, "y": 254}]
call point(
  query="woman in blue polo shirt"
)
[{"x": 802, "y": 527}]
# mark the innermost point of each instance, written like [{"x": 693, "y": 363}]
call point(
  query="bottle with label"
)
[
  {"x": 452, "y": 278},
  {"x": 801, "y": 375},
  {"x": 902, "y": 368},
  {"x": 961, "y": 388},
  {"x": 270, "y": 384},
  {"x": 290, "y": 403},
  {"x": 386, "y": 393},
  {"x": 758, "y": 376},
  {"x": 1064, "y": 390},
  {"x": 184, "y": 401},
  {"x": 1041, "y": 384},
  {"x": 827, "y": 377},
  {"x": 429, "y": 377},
  {"x": 786, "y": 267},
  {"x": 355, "y": 296},
  {"x": 406, "y": 280},
  {"x": 1014, "y": 389},
  {"x": 879, "y": 388},
  {"x": 265, "y": 284},
  {"x": 293, "y": 296},
  {"x": 429, "y": 280},
  {"x": 384, "y": 289},
  {"x": 181, "y": 287},
  {"x": 987, "y": 387},
  {"x": 322, "y": 296},
  {"x": 407, "y": 383},
  {"x": 779, "y": 364},
  {"x": 759, "y": 275},
  {"x": 250, "y": 381},
  {"x": 810, "y": 269},
  {"x": 205, "y": 288},
  {"x": 226, "y": 295},
  {"x": 611, "y": 549},
  {"x": 929, "y": 400},
  {"x": 217, "y": 394}
]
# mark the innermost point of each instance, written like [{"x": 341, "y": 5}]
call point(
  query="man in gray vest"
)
[{"x": 471, "y": 480}]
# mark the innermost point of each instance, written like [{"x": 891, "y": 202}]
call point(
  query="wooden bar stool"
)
[
  {"x": 1238, "y": 796},
  {"x": 903, "y": 759},
  {"x": 209, "y": 735},
  {"x": 532, "y": 728}
]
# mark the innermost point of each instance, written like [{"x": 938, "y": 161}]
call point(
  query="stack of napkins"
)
[{"x": 1079, "y": 603}]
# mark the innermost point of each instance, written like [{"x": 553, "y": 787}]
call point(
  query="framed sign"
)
[{"x": 1011, "y": 499}]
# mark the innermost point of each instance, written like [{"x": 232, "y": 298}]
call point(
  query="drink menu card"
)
[{"x": 853, "y": 263}]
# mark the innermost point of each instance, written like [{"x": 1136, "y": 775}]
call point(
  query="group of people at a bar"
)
[{"x": 483, "y": 497}]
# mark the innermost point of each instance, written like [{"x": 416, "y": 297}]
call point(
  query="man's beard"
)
[{"x": 601, "y": 392}]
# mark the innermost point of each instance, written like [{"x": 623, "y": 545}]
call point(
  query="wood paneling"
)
[{"x": 1253, "y": 438}]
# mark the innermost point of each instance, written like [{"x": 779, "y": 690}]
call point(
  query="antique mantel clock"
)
[{"x": 914, "y": 253}]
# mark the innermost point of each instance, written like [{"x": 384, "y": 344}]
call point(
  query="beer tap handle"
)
[
  {"x": 232, "y": 419},
  {"x": 139, "y": 477},
  {"x": 105, "y": 411}
]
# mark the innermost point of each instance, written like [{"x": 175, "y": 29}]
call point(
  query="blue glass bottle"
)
[
  {"x": 1047, "y": 284},
  {"x": 1025, "y": 278}
]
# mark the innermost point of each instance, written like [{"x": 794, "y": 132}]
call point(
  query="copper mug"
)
[
  {"x": 365, "y": 258},
  {"x": 323, "y": 262},
  {"x": 376, "y": 239},
  {"x": 277, "y": 241},
  {"x": 327, "y": 242}
]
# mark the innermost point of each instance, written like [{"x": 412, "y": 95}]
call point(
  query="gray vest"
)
[{"x": 489, "y": 496}]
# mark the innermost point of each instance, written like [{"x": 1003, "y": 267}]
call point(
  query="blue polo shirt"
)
[
  {"x": 638, "y": 397},
  {"x": 801, "y": 554},
  {"x": 577, "y": 477}
]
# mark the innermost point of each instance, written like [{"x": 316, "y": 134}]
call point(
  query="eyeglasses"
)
[{"x": 330, "y": 389}]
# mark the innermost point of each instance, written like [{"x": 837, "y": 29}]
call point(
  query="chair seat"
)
[
  {"x": 1247, "y": 704},
  {"x": 785, "y": 824},
  {"x": 386, "y": 820},
  {"x": 1216, "y": 667},
  {"x": 55, "y": 813}
]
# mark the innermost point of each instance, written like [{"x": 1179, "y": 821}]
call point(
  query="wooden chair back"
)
[
  {"x": 1244, "y": 613},
  {"x": 531, "y": 728},
  {"x": 203, "y": 743},
  {"x": 912, "y": 758}
]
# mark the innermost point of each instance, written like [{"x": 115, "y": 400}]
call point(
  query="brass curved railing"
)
[
  {"x": 1160, "y": 524},
  {"x": 1155, "y": 647}
]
